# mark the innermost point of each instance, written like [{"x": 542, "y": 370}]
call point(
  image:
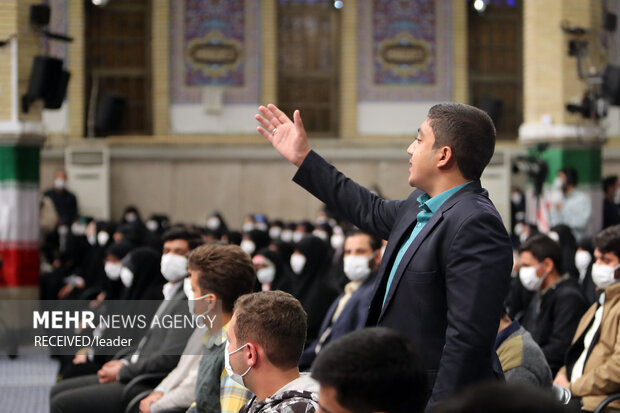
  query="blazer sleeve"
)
[
  {"x": 477, "y": 275},
  {"x": 361, "y": 207}
]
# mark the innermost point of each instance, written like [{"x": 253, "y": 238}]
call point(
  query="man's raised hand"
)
[{"x": 289, "y": 138}]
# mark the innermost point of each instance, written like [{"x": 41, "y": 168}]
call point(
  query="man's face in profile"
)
[{"x": 421, "y": 159}]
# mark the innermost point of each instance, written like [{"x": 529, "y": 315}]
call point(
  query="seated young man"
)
[
  {"x": 557, "y": 305},
  {"x": 362, "y": 256},
  {"x": 371, "y": 370},
  {"x": 219, "y": 275},
  {"x": 157, "y": 352},
  {"x": 592, "y": 369},
  {"x": 521, "y": 358},
  {"x": 265, "y": 340}
]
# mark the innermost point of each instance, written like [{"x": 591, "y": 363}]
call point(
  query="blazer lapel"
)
[{"x": 428, "y": 228}]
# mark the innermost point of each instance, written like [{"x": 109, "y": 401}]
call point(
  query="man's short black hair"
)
[
  {"x": 193, "y": 238},
  {"x": 503, "y": 397},
  {"x": 541, "y": 247},
  {"x": 609, "y": 181},
  {"x": 572, "y": 178},
  {"x": 374, "y": 369},
  {"x": 375, "y": 242},
  {"x": 468, "y": 131},
  {"x": 608, "y": 240}
]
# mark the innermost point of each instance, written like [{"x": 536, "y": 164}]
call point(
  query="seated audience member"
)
[
  {"x": 271, "y": 271},
  {"x": 521, "y": 358},
  {"x": 349, "y": 311},
  {"x": 592, "y": 369},
  {"x": 219, "y": 274},
  {"x": 611, "y": 210},
  {"x": 311, "y": 286},
  {"x": 371, "y": 370},
  {"x": 557, "y": 305},
  {"x": 265, "y": 340},
  {"x": 158, "y": 351},
  {"x": 505, "y": 398}
]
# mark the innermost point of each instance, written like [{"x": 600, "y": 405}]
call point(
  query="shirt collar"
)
[{"x": 433, "y": 204}]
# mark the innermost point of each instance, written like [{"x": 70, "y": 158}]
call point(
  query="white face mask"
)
[
  {"x": 173, "y": 267},
  {"x": 247, "y": 226},
  {"x": 92, "y": 239},
  {"x": 266, "y": 275},
  {"x": 530, "y": 279},
  {"x": 261, "y": 225},
  {"x": 582, "y": 260},
  {"x": 604, "y": 275},
  {"x": 320, "y": 234},
  {"x": 357, "y": 267},
  {"x": 59, "y": 183},
  {"x": 78, "y": 229},
  {"x": 113, "y": 270},
  {"x": 213, "y": 223},
  {"x": 298, "y": 236},
  {"x": 103, "y": 238},
  {"x": 248, "y": 246},
  {"x": 286, "y": 235},
  {"x": 554, "y": 236},
  {"x": 152, "y": 225},
  {"x": 274, "y": 232},
  {"x": 131, "y": 216},
  {"x": 337, "y": 241},
  {"x": 516, "y": 198},
  {"x": 558, "y": 183},
  {"x": 298, "y": 262},
  {"x": 126, "y": 277},
  {"x": 237, "y": 378}
]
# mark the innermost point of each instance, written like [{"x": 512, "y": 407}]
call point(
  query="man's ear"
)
[
  {"x": 254, "y": 352},
  {"x": 548, "y": 264},
  {"x": 445, "y": 157}
]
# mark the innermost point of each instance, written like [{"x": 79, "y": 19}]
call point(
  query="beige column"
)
[
  {"x": 459, "y": 19},
  {"x": 76, "y": 96},
  {"x": 161, "y": 75},
  {"x": 270, "y": 51},
  {"x": 348, "y": 70}
]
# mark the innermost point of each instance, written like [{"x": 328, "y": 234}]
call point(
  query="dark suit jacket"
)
[
  {"x": 353, "y": 317},
  {"x": 163, "y": 346},
  {"x": 449, "y": 288}
]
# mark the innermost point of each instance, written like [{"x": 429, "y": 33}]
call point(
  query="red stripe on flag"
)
[{"x": 20, "y": 267}]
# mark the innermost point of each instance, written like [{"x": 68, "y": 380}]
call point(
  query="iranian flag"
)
[{"x": 19, "y": 216}]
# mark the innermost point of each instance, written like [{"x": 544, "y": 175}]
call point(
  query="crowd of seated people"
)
[{"x": 323, "y": 273}]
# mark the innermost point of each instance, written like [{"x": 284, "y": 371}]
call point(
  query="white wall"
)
[
  {"x": 233, "y": 119},
  {"x": 391, "y": 118}
]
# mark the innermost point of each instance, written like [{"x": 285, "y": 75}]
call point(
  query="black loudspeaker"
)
[
  {"x": 56, "y": 92},
  {"x": 611, "y": 84},
  {"x": 40, "y": 14},
  {"x": 48, "y": 81},
  {"x": 493, "y": 107},
  {"x": 610, "y": 21},
  {"x": 109, "y": 113}
]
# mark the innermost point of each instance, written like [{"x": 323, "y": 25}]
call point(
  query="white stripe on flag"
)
[{"x": 19, "y": 215}]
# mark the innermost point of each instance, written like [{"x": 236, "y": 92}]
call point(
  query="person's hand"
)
[
  {"x": 79, "y": 358},
  {"x": 65, "y": 291},
  {"x": 287, "y": 137},
  {"x": 145, "y": 404},
  {"x": 561, "y": 380},
  {"x": 108, "y": 373}
]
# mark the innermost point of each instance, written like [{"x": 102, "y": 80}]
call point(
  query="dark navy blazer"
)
[{"x": 448, "y": 291}]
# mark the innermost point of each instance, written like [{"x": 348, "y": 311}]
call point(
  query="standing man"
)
[
  {"x": 447, "y": 264},
  {"x": 64, "y": 200},
  {"x": 575, "y": 207}
]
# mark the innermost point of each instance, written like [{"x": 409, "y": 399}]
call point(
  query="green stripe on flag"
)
[{"x": 19, "y": 163}]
